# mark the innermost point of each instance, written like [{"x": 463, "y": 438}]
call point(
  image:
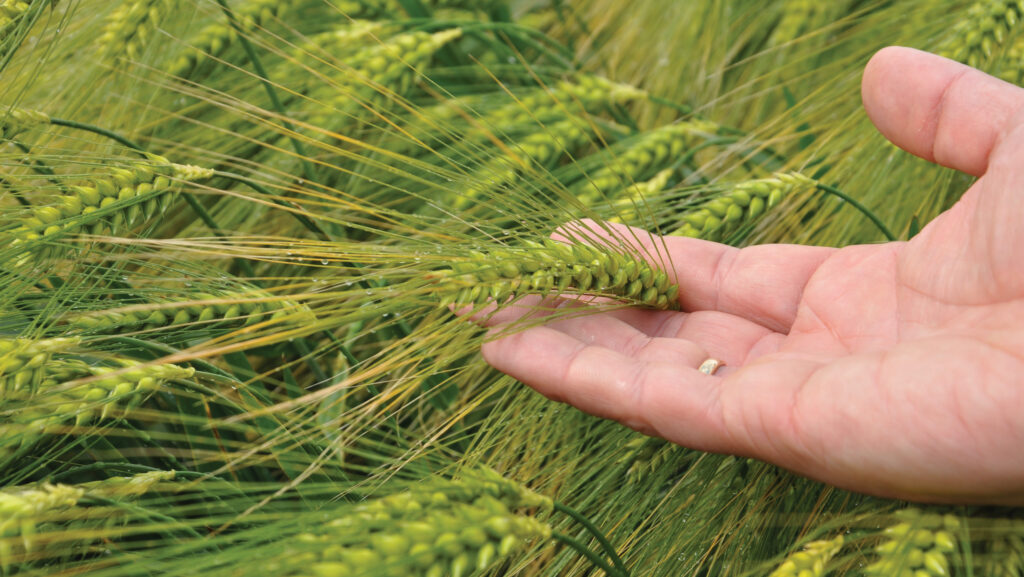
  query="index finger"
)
[{"x": 763, "y": 284}]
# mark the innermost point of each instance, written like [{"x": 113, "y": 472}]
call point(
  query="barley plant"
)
[{"x": 235, "y": 236}]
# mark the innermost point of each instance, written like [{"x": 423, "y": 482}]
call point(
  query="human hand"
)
[{"x": 893, "y": 369}]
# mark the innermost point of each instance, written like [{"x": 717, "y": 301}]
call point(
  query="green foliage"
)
[{"x": 233, "y": 237}]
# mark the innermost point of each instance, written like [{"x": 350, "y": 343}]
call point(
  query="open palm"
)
[{"x": 894, "y": 369}]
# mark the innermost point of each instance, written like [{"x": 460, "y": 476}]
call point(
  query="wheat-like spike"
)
[
  {"x": 348, "y": 46},
  {"x": 377, "y": 72},
  {"x": 739, "y": 205},
  {"x": 549, "y": 267},
  {"x": 798, "y": 17},
  {"x": 444, "y": 528},
  {"x": 1012, "y": 69},
  {"x": 23, "y": 508},
  {"x": 215, "y": 39},
  {"x": 17, "y": 120},
  {"x": 231, "y": 309},
  {"x": 649, "y": 154},
  {"x": 384, "y": 8},
  {"x": 125, "y": 381},
  {"x": 24, "y": 363},
  {"x": 134, "y": 486},
  {"x": 811, "y": 561},
  {"x": 54, "y": 400},
  {"x": 645, "y": 455},
  {"x": 144, "y": 189},
  {"x": 530, "y": 153},
  {"x": 12, "y": 12},
  {"x": 918, "y": 545},
  {"x": 582, "y": 93},
  {"x": 636, "y": 196},
  {"x": 986, "y": 27},
  {"x": 1004, "y": 552},
  {"x": 347, "y": 39},
  {"x": 130, "y": 27},
  {"x": 17, "y": 434},
  {"x": 535, "y": 109},
  {"x": 464, "y": 4}
]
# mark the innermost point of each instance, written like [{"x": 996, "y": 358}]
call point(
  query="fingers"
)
[
  {"x": 938, "y": 109},
  {"x": 653, "y": 396},
  {"x": 762, "y": 284}
]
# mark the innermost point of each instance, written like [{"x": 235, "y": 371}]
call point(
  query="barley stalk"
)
[
  {"x": 573, "y": 97},
  {"x": 811, "y": 561},
  {"x": 918, "y": 545},
  {"x": 549, "y": 267},
  {"x": 738, "y": 205},
  {"x": 11, "y": 11},
  {"x": 344, "y": 40},
  {"x": 348, "y": 46}
]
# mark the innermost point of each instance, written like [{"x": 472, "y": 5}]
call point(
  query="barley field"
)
[{"x": 234, "y": 236}]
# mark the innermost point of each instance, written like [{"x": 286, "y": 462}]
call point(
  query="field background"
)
[{"x": 232, "y": 234}]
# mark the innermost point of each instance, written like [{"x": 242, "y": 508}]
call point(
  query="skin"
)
[{"x": 892, "y": 369}]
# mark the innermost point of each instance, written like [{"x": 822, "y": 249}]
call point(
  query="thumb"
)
[{"x": 938, "y": 109}]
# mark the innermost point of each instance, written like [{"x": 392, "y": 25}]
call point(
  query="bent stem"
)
[
  {"x": 590, "y": 555},
  {"x": 605, "y": 543},
  {"x": 863, "y": 209}
]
